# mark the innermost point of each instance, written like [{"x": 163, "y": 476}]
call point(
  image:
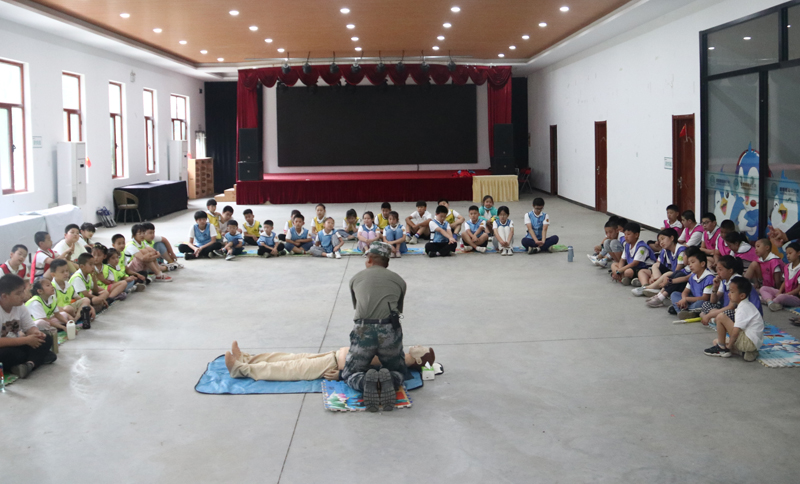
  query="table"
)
[
  {"x": 20, "y": 229},
  {"x": 57, "y": 218},
  {"x": 159, "y": 198},
  {"x": 503, "y": 188}
]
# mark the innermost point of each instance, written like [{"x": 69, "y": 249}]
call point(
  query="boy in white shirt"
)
[
  {"x": 43, "y": 307},
  {"x": 268, "y": 243},
  {"x": 503, "y": 229},
  {"x": 203, "y": 241},
  {"x": 161, "y": 245},
  {"x": 393, "y": 234},
  {"x": 40, "y": 265},
  {"x": 327, "y": 243},
  {"x": 85, "y": 284},
  {"x": 16, "y": 262},
  {"x": 442, "y": 241},
  {"x": 87, "y": 232},
  {"x": 537, "y": 222},
  {"x": 418, "y": 223},
  {"x": 455, "y": 219},
  {"x": 251, "y": 228},
  {"x": 22, "y": 346},
  {"x": 747, "y": 333},
  {"x": 476, "y": 235},
  {"x": 73, "y": 244},
  {"x": 148, "y": 256}
]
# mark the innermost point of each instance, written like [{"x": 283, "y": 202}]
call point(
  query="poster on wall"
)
[{"x": 736, "y": 195}]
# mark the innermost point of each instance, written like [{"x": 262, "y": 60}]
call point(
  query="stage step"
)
[{"x": 228, "y": 196}]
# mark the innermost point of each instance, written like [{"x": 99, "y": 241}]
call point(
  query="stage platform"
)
[{"x": 378, "y": 186}]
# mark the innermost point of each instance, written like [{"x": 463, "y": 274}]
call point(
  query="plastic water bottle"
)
[
  {"x": 71, "y": 330},
  {"x": 2, "y": 380},
  {"x": 570, "y": 253}
]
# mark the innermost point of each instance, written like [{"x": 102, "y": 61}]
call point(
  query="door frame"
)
[
  {"x": 676, "y": 170},
  {"x": 598, "y": 206},
  {"x": 554, "y": 159}
]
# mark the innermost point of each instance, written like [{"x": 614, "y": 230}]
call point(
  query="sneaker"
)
[
  {"x": 398, "y": 255},
  {"x": 408, "y": 239},
  {"x": 775, "y": 306},
  {"x": 140, "y": 287},
  {"x": 329, "y": 255},
  {"x": 51, "y": 357},
  {"x": 178, "y": 265},
  {"x": 717, "y": 351},
  {"x": 651, "y": 292},
  {"x": 337, "y": 255},
  {"x": 22, "y": 370},
  {"x": 163, "y": 278},
  {"x": 482, "y": 250},
  {"x": 636, "y": 283},
  {"x": 286, "y": 252},
  {"x": 672, "y": 311},
  {"x": 230, "y": 257},
  {"x": 534, "y": 250},
  {"x": 219, "y": 253},
  {"x": 638, "y": 291},
  {"x": 189, "y": 257},
  {"x": 750, "y": 356},
  {"x": 491, "y": 238},
  {"x": 510, "y": 251},
  {"x": 626, "y": 281},
  {"x": 371, "y": 397},
  {"x": 592, "y": 258},
  {"x": 654, "y": 302},
  {"x": 602, "y": 263},
  {"x": 172, "y": 267},
  {"x": 433, "y": 254},
  {"x": 388, "y": 394},
  {"x": 686, "y": 314},
  {"x": 468, "y": 248},
  {"x": 121, "y": 296}
]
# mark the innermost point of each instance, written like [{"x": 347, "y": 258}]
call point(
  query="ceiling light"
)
[
  {"x": 441, "y": 37},
  {"x": 711, "y": 48},
  {"x": 354, "y": 39},
  {"x": 788, "y": 26},
  {"x": 351, "y": 26},
  {"x": 269, "y": 41},
  {"x": 455, "y": 9},
  {"x": 543, "y": 24},
  {"x": 345, "y": 10},
  {"x": 124, "y": 15},
  {"x": 182, "y": 42},
  {"x": 501, "y": 55},
  {"x": 526, "y": 37},
  {"x": 220, "y": 59},
  {"x": 253, "y": 28},
  {"x": 204, "y": 52},
  {"x": 234, "y": 12},
  {"x": 747, "y": 38},
  {"x": 564, "y": 9},
  {"x": 512, "y": 47},
  {"x": 435, "y": 47},
  {"x": 358, "y": 49},
  {"x": 281, "y": 50},
  {"x": 158, "y": 31},
  {"x": 447, "y": 25}
]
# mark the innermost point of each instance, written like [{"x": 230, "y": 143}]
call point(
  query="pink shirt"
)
[
  {"x": 769, "y": 267},
  {"x": 746, "y": 252},
  {"x": 711, "y": 239},
  {"x": 722, "y": 247},
  {"x": 790, "y": 282}
]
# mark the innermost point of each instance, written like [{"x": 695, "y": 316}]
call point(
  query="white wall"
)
[
  {"x": 636, "y": 82},
  {"x": 270, "y": 145},
  {"x": 46, "y": 56}
]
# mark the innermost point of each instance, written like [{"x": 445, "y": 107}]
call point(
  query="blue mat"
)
[{"x": 217, "y": 381}]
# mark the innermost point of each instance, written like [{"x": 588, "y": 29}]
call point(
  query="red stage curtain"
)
[{"x": 499, "y": 109}]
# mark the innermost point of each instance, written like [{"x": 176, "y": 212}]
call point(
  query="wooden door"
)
[
  {"x": 600, "y": 166},
  {"x": 554, "y": 160},
  {"x": 683, "y": 149}
]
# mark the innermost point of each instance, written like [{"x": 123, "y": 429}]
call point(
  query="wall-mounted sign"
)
[
  {"x": 667, "y": 163},
  {"x": 37, "y": 141}
]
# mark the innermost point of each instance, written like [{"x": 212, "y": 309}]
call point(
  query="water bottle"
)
[
  {"x": 2, "y": 380},
  {"x": 570, "y": 253},
  {"x": 71, "y": 330}
]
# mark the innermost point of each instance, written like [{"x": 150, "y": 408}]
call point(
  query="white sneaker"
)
[
  {"x": 482, "y": 250},
  {"x": 230, "y": 257},
  {"x": 337, "y": 255},
  {"x": 592, "y": 259},
  {"x": 639, "y": 291},
  {"x": 510, "y": 251},
  {"x": 408, "y": 239},
  {"x": 602, "y": 263},
  {"x": 329, "y": 255},
  {"x": 467, "y": 248}
]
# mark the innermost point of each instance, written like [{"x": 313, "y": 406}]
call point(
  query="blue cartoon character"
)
[
  {"x": 785, "y": 208},
  {"x": 747, "y": 172}
]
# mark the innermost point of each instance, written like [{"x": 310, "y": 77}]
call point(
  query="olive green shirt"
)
[{"x": 372, "y": 289}]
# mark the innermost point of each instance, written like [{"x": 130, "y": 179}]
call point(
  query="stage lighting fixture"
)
[
  {"x": 381, "y": 66},
  {"x": 307, "y": 66},
  {"x": 285, "y": 68},
  {"x": 334, "y": 68},
  {"x": 400, "y": 65},
  {"x": 451, "y": 66},
  {"x": 424, "y": 66}
]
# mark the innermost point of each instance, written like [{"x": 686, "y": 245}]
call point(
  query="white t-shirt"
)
[
  {"x": 36, "y": 309},
  {"x": 433, "y": 225},
  {"x": 335, "y": 239},
  {"x": 38, "y": 261},
  {"x": 62, "y": 247},
  {"x": 528, "y": 219},
  {"x": 510, "y": 223},
  {"x": 212, "y": 232},
  {"x": 374, "y": 228},
  {"x": 749, "y": 320},
  {"x": 16, "y": 323},
  {"x": 694, "y": 240},
  {"x": 79, "y": 285},
  {"x": 418, "y": 219},
  {"x": 793, "y": 270}
]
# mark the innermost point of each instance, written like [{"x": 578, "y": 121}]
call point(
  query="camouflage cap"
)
[{"x": 380, "y": 249}]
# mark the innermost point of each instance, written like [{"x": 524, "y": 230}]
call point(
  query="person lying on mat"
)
[{"x": 307, "y": 366}]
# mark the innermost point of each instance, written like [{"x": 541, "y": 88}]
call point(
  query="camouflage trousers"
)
[{"x": 368, "y": 341}]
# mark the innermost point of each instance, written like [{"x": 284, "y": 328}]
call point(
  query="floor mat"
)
[
  {"x": 419, "y": 250},
  {"x": 338, "y": 397},
  {"x": 217, "y": 381},
  {"x": 779, "y": 350}
]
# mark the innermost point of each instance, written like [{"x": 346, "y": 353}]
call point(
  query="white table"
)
[
  {"x": 57, "y": 218},
  {"x": 19, "y": 229}
]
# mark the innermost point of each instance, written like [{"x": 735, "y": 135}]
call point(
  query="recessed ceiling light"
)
[
  {"x": 358, "y": 49},
  {"x": 447, "y": 25},
  {"x": 711, "y": 48},
  {"x": 526, "y": 37},
  {"x": 564, "y": 9},
  {"x": 435, "y": 47},
  {"x": 158, "y": 31},
  {"x": 354, "y": 39},
  {"x": 543, "y": 24},
  {"x": 788, "y": 26},
  {"x": 204, "y": 52},
  {"x": 124, "y": 15},
  {"x": 269, "y": 41},
  {"x": 512, "y": 47},
  {"x": 747, "y": 38},
  {"x": 501, "y": 55},
  {"x": 455, "y": 9},
  {"x": 220, "y": 59},
  {"x": 234, "y": 12},
  {"x": 351, "y": 26},
  {"x": 345, "y": 10},
  {"x": 441, "y": 37},
  {"x": 182, "y": 42},
  {"x": 281, "y": 50},
  {"x": 253, "y": 28}
]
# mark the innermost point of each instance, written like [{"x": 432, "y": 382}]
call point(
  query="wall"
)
[
  {"x": 637, "y": 82},
  {"x": 270, "y": 145},
  {"x": 46, "y": 57}
]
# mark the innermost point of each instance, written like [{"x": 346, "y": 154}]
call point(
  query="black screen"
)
[{"x": 377, "y": 125}]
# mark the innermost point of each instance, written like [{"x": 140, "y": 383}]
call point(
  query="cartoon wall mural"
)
[
  {"x": 747, "y": 176},
  {"x": 785, "y": 207}
]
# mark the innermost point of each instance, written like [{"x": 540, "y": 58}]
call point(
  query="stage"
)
[{"x": 380, "y": 186}]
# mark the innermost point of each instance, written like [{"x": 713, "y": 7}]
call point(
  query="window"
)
[
  {"x": 117, "y": 140},
  {"x": 177, "y": 109},
  {"x": 150, "y": 129},
  {"x": 71, "y": 94},
  {"x": 748, "y": 44},
  {"x": 13, "y": 171}
]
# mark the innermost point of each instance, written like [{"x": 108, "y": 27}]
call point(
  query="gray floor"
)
[{"x": 553, "y": 374}]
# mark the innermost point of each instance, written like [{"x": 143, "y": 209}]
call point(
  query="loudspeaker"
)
[
  {"x": 248, "y": 145},
  {"x": 503, "y": 165},
  {"x": 251, "y": 170},
  {"x": 504, "y": 140}
]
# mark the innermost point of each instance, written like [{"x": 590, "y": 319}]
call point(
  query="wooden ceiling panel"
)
[{"x": 481, "y": 30}]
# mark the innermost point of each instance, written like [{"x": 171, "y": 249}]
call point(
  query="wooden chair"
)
[
  {"x": 126, "y": 201},
  {"x": 524, "y": 179}
]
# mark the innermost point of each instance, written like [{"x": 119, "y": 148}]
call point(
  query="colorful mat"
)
[
  {"x": 9, "y": 377},
  {"x": 338, "y": 397},
  {"x": 216, "y": 380},
  {"x": 779, "y": 350}
]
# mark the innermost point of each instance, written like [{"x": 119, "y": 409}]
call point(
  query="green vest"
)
[
  {"x": 63, "y": 298},
  {"x": 87, "y": 281},
  {"x": 118, "y": 274},
  {"x": 48, "y": 310}
]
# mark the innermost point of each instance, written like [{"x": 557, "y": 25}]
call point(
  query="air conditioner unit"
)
[
  {"x": 71, "y": 169},
  {"x": 178, "y": 160}
]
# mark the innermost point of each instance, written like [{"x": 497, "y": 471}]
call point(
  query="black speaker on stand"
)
[
  {"x": 250, "y": 166},
  {"x": 503, "y": 160}
]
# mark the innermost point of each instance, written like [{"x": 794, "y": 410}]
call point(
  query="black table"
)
[{"x": 159, "y": 198}]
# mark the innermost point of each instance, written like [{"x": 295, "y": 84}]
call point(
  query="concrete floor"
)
[{"x": 553, "y": 374}]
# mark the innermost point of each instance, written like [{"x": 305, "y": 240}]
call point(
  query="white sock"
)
[{"x": 661, "y": 296}]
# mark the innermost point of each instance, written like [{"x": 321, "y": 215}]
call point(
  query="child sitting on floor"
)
[
  {"x": 503, "y": 229},
  {"x": 113, "y": 267},
  {"x": 612, "y": 245},
  {"x": 636, "y": 255},
  {"x": 367, "y": 232},
  {"x": 327, "y": 242},
  {"x": 162, "y": 246},
  {"x": 86, "y": 286},
  {"x": 251, "y": 228},
  {"x": 475, "y": 235},
  {"x": 349, "y": 230},
  {"x": 268, "y": 244},
  {"x": 118, "y": 243},
  {"x": 40, "y": 266},
  {"x": 442, "y": 241},
  {"x": 710, "y": 235},
  {"x": 43, "y": 307},
  {"x": 747, "y": 333},
  {"x": 16, "y": 262},
  {"x": 671, "y": 260},
  {"x": 288, "y": 225},
  {"x": 383, "y": 217},
  {"x": 136, "y": 249},
  {"x": 298, "y": 241},
  {"x": 672, "y": 222},
  {"x": 318, "y": 222},
  {"x": 213, "y": 216},
  {"x": 87, "y": 232},
  {"x": 728, "y": 267},
  {"x": 65, "y": 292},
  {"x": 769, "y": 269},
  {"x": 690, "y": 302},
  {"x": 788, "y": 293},
  {"x": 71, "y": 244},
  {"x": 104, "y": 277},
  {"x": 692, "y": 235},
  {"x": 537, "y": 223},
  {"x": 740, "y": 248},
  {"x": 234, "y": 243},
  {"x": 227, "y": 215},
  {"x": 488, "y": 213},
  {"x": 455, "y": 219},
  {"x": 725, "y": 227},
  {"x": 418, "y": 223},
  {"x": 394, "y": 235},
  {"x": 202, "y": 239}
]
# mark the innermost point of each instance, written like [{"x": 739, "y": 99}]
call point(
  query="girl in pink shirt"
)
[
  {"x": 769, "y": 269},
  {"x": 787, "y": 295}
]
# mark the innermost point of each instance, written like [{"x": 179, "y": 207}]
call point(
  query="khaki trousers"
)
[{"x": 284, "y": 366}]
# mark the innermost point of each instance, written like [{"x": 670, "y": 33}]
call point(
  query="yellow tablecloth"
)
[{"x": 503, "y": 188}]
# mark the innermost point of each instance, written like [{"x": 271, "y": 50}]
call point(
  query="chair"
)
[
  {"x": 524, "y": 179},
  {"x": 126, "y": 201}
]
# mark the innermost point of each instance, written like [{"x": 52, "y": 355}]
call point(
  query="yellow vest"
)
[
  {"x": 253, "y": 231},
  {"x": 214, "y": 220},
  {"x": 382, "y": 222},
  {"x": 63, "y": 298},
  {"x": 318, "y": 224},
  {"x": 451, "y": 219}
]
